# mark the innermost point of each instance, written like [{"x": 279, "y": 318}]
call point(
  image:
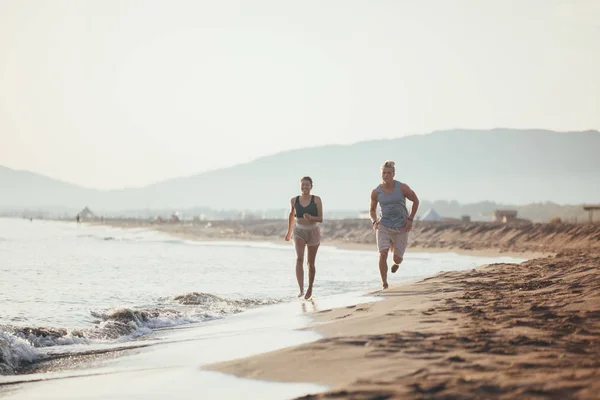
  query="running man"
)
[{"x": 391, "y": 230}]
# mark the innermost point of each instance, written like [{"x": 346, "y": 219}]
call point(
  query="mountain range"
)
[{"x": 500, "y": 165}]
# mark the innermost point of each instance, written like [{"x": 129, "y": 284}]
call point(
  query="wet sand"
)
[
  {"x": 168, "y": 363},
  {"x": 529, "y": 330}
]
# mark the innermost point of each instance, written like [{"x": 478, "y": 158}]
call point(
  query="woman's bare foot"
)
[
  {"x": 308, "y": 293},
  {"x": 385, "y": 285},
  {"x": 301, "y": 294},
  {"x": 395, "y": 268}
]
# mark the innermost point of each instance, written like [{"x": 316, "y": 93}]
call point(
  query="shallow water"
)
[
  {"x": 171, "y": 366},
  {"x": 69, "y": 288}
]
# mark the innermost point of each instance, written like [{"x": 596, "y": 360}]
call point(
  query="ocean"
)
[{"x": 69, "y": 290}]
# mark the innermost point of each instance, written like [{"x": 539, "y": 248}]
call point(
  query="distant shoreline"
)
[{"x": 474, "y": 238}]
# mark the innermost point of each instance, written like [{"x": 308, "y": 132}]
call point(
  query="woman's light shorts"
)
[{"x": 311, "y": 234}]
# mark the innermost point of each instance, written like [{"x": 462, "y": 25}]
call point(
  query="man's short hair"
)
[{"x": 389, "y": 164}]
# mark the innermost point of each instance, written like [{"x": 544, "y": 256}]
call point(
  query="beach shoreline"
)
[
  {"x": 343, "y": 234},
  {"x": 497, "y": 331},
  {"x": 522, "y": 330}
]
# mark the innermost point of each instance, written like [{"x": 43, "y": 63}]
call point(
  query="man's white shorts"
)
[{"x": 386, "y": 236}]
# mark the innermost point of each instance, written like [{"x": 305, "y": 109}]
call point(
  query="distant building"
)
[
  {"x": 590, "y": 208},
  {"x": 465, "y": 218},
  {"x": 86, "y": 213},
  {"x": 504, "y": 215},
  {"x": 431, "y": 215}
]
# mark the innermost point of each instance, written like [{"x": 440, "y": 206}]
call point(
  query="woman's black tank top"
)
[{"x": 311, "y": 208}]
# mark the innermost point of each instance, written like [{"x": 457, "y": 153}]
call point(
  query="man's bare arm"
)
[
  {"x": 373, "y": 206},
  {"x": 412, "y": 196}
]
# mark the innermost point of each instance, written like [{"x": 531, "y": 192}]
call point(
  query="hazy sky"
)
[{"x": 110, "y": 94}]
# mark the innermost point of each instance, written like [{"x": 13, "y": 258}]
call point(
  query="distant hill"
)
[
  {"x": 500, "y": 165},
  {"x": 26, "y": 189}
]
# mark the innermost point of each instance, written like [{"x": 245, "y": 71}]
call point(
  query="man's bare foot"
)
[
  {"x": 395, "y": 268},
  {"x": 301, "y": 294},
  {"x": 385, "y": 285},
  {"x": 308, "y": 293}
]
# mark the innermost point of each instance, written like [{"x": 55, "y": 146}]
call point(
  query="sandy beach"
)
[
  {"x": 477, "y": 238},
  {"x": 529, "y": 330},
  {"x": 240, "y": 200}
]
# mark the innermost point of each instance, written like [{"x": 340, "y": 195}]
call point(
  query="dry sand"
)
[
  {"x": 501, "y": 331},
  {"x": 478, "y": 238}
]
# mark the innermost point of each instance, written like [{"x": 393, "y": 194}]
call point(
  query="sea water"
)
[{"x": 69, "y": 289}]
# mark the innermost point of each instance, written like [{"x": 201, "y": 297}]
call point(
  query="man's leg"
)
[
  {"x": 312, "y": 255},
  {"x": 400, "y": 243},
  {"x": 300, "y": 244},
  {"x": 383, "y": 246},
  {"x": 383, "y": 267},
  {"x": 397, "y": 262}
]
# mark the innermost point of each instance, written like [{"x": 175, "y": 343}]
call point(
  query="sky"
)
[{"x": 112, "y": 94}]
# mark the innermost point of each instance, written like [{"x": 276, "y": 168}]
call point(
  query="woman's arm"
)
[
  {"x": 290, "y": 220},
  {"x": 319, "y": 217}
]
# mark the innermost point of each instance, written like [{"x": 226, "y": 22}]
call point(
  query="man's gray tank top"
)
[{"x": 393, "y": 207}]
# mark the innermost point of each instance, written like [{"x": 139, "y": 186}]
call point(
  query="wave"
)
[
  {"x": 14, "y": 352},
  {"x": 102, "y": 237},
  {"x": 22, "y": 346},
  {"x": 139, "y": 239},
  {"x": 216, "y": 302},
  {"x": 149, "y": 236}
]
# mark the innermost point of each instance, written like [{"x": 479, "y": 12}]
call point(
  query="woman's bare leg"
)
[
  {"x": 312, "y": 255},
  {"x": 300, "y": 244}
]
